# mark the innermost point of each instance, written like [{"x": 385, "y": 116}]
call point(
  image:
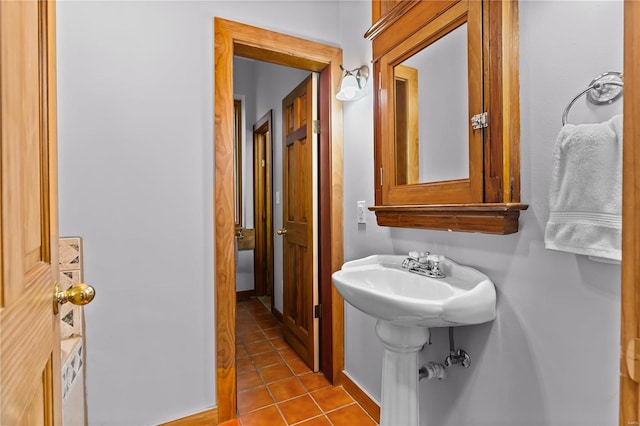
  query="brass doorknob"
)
[
  {"x": 282, "y": 231},
  {"x": 79, "y": 294}
]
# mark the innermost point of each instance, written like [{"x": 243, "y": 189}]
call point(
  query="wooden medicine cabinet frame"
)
[{"x": 489, "y": 200}]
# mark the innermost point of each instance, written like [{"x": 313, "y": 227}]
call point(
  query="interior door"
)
[
  {"x": 29, "y": 329},
  {"x": 300, "y": 231}
]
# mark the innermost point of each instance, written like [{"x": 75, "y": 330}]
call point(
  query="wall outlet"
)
[{"x": 362, "y": 212}]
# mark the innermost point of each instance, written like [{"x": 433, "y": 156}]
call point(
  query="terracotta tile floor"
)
[{"x": 275, "y": 387}]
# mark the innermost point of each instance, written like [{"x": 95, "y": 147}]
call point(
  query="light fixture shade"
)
[
  {"x": 353, "y": 82},
  {"x": 349, "y": 89}
]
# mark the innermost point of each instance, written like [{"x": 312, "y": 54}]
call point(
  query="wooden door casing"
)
[
  {"x": 630, "y": 307},
  {"x": 300, "y": 290},
  {"x": 263, "y": 206},
  {"x": 234, "y": 38},
  {"x": 29, "y": 331}
]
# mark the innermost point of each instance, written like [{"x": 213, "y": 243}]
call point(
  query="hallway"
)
[{"x": 275, "y": 387}]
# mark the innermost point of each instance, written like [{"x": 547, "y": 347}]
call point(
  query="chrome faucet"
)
[{"x": 423, "y": 263}]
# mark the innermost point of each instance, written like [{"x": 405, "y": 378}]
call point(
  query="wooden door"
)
[
  {"x": 29, "y": 330},
  {"x": 630, "y": 322},
  {"x": 299, "y": 110},
  {"x": 262, "y": 206}
]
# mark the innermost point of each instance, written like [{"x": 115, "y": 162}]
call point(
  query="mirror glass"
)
[
  {"x": 237, "y": 160},
  {"x": 432, "y": 112}
]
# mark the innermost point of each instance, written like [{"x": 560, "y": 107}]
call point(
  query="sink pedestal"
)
[{"x": 400, "y": 399}]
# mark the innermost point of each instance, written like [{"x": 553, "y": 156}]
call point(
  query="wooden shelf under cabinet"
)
[{"x": 488, "y": 218}]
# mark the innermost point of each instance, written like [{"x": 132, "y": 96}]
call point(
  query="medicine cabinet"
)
[{"x": 447, "y": 115}]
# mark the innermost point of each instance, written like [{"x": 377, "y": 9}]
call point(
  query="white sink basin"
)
[
  {"x": 406, "y": 305},
  {"x": 380, "y": 287}
]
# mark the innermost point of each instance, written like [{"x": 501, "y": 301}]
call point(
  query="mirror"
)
[
  {"x": 237, "y": 163},
  {"x": 447, "y": 115},
  {"x": 431, "y": 83},
  {"x": 432, "y": 112}
]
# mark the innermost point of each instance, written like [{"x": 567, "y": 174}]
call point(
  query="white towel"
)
[{"x": 585, "y": 196}]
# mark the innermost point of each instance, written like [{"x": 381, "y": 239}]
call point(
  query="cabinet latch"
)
[{"x": 480, "y": 121}]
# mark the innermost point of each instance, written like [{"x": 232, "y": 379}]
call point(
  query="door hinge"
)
[
  {"x": 316, "y": 127},
  {"x": 380, "y": 176},
  {"x": 632, "y": 356},
  {"x": 480, "y": 121},
  {"x": 317, "y": 311}
]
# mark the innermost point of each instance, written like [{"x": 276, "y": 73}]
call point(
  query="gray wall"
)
[
  {"x": 244, "y": 89},
  {"x": 551, "y": 356},
  {"x": 135, "y": 146},
  {"x": 135, "y": 105}
]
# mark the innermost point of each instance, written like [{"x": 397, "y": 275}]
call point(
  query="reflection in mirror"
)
[
  {"x": 407, "y": 124},
  {"x": 432, "y": 112}
]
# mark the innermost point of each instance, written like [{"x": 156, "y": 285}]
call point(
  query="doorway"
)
[
  {"x": 263, "y": 208},
  {"x": 279, "y": 151},
  {"x": 232, "y": 38}
]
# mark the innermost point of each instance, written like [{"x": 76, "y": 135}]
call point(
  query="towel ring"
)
[{"x": 603, "y": 90}]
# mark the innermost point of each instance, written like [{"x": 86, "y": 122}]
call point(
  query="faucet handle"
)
[
  {"x": 419, "y": 255},
  {"x": 434, "y": 260}
]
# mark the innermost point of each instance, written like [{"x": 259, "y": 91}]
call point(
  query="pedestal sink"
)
[{"x": 406, "y": 305}]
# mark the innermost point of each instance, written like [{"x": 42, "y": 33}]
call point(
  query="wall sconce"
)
[{"x": 352, "y": 83}]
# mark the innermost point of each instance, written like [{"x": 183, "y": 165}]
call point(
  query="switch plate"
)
[{"x": 362, "y": 213}]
